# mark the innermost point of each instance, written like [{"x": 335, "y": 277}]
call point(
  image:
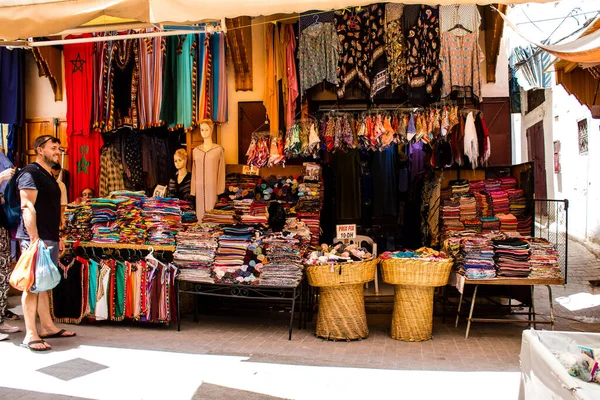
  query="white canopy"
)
[{"x": 20, "y": 19}]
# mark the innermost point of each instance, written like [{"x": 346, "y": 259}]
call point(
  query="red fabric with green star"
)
[{"x": 84, "y": 146}]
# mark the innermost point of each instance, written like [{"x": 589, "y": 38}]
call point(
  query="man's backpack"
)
[{"x": 12, "y": 201}]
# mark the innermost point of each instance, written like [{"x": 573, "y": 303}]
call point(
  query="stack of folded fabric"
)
[
  {"x": 283, "y": 265},
  {"x": 512, "y": 257},
  {"x": 163, "y": 218},
  {"x": 242, "y": 206},
  {"x": 508, "y": 222},
  {"x": 255, "y": 214},
  {"x": 543, "y": 259},
  {"x": 309, "y": 191},
  {"x": 484, "y": 209},
  {"x": 195, "y": 252},
  {"x": 451, "y": 215},
  {"x": 468, "y": 207},
  {"x": 299, "y": 229},
  {"x": 78, "y": 222},
  {"x": 524, "y": 225},
  {"x": 500, "y": 203},
  {"x": 476, "y": 186},
  {"x": 446, "y": 193},
  {"x": 478, "y": 258},
  {"x": 214, "y": 216},
  {"x": 232, "y": 253},
  {"x": 309, "y": 212},
  {"x": 474, "y": 225},
  {"x": 508, "y": 183},
  {"x": 492, "y": 184},
  {"x": 104, "y": 217},
  {"x": 460, "y": 187},
  {"x": 188, "y": 214},
  {"x": 132, "y": 227},
  {"x": 489, "y": 224},
  {"x": 517, "y": 200}
]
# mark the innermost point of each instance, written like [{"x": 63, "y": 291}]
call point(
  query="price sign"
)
[
  {"x": 346, "y": 231},
  {"x": 250, "y": 170}
]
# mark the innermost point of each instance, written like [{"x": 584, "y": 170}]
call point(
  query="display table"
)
[
  {"x": 415, "y": 281},
  {"x": 255, "y": 292},
  {"x": 542, "y": 374},
  {"x": 342, "y": 314},
  {"x": 459, "y": 281}
]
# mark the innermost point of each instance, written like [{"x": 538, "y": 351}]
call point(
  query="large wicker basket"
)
[
  {"x": 341, "y": 274},
  {"x": 342, "y": 313},
  {"x": 412, "y": 320},
  {"x": 410, "y": 271}
]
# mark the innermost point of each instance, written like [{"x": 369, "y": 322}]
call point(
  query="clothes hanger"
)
[
  {"x": 458, "y": 25},
  {"x": 316, "y": 21}
]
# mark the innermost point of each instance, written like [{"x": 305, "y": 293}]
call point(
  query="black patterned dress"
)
[{"x": 4, "y": 271}]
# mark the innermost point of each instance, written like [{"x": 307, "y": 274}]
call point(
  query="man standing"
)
[{"x": 40, "y": 204}]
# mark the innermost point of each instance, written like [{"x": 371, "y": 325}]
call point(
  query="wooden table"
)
[{"x": 459, "y": 281}]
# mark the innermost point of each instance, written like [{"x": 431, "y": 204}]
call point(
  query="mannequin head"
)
[
  {"x": 206, "y": 129},
  {"x": 180, "y": 159}
]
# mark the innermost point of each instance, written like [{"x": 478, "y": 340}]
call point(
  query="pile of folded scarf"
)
[
  {"x": 451, "y": 215},
  {"x": 214, "y": 216},
  {"x": 253, "y": 212},
  {"x": 78, "y": 222},
  {"x": 195, "y": 252},
  {"x": 476, "y": 186},
  {"x": 104, "y": 216},
  {"x": 512, "y": 257},
  {"x": 188, "y": 214},
  {"x": 490, "y": 224},
  {"x": 517, "y": 200},
  {"x": 163, "y": 218},
  {"x": 232, "y": 254},
  {"x": 508, "y": 222},
  {"x": 543, "y": 259},
  {"x": 283, "y": 264},
  {"x": 309, "y": 212},
  {"x": 423, "y": 253},
  {"x": 468, "y": 207},
  {"x": 132, "y": 226},
  {"x": 484, "y": 208},
  {"x": 500, "y": 202},
  {"x": 524, "y": 225},
  {"x": 460, "y": 187},
  {"x": 492, "y": 184},
  {"x": 477, "y": 258},
  {"x": 508, "y": 183},
  {"x": 338, "y": 253},
  {"x": 474, "y": 225}
]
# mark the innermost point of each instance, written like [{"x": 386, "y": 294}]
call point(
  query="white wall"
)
[
  {"x": 579, "y": 180},
  {"x": 39, "y": 97},
  {"x": 500, "y": 88}
]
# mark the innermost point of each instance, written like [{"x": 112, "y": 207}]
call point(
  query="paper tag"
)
[
  {"x": 346, "y": 231},
  {"x": 250, "y": 170}
]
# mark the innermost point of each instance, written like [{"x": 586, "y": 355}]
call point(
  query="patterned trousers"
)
[{"x": 4, "y": 271}]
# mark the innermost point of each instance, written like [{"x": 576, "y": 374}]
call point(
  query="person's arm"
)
[{"x": 28, "y": 198}]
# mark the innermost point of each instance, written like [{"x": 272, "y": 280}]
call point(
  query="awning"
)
[
  {"x": 584, "y": 49},
  {"x": 34, "y": 18}
]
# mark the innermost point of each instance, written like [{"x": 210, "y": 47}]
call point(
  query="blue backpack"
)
[{"x": 12, "y": 202}]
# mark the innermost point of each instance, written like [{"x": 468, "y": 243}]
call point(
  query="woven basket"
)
[
  {"x": 342, "y": 313},
  {"x": 341, "y": 274},
  {"x": 412, "y": 319},
  {"x": 408, "y": 271}
]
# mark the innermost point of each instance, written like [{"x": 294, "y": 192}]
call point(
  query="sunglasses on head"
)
[{"x": 46, "y": 141}]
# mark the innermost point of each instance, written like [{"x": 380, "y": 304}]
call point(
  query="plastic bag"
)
[
  {"x": 23, "y": 276},
  {"x": 47, "y": 275}
]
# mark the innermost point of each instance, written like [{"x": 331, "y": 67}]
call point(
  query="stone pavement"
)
[{"x": 255, "y": 343}]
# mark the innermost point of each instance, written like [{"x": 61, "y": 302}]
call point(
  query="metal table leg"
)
[
  {"x": 533, "y": 306},
  {"x": 178, "y": 306},
  {"x": 459, "y": 306},
  {"x": 292, "y": 314},
  {"x": 300, "y": 313},
  {"x": 471, "y": 312},
  {"x": 551, "y": 306}
]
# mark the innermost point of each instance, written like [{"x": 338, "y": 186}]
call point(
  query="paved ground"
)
[{"x": 248, "y": 356}]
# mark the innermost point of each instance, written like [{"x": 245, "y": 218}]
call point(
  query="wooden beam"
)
[{"x": 494, "y": 28}]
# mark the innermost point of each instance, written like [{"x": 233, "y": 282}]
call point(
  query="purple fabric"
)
[{"x": 416, "y": 155}]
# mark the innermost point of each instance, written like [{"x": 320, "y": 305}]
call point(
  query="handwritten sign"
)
[
  {"x": 346, "y": 231},
  {"x": 250, "y": 170}
]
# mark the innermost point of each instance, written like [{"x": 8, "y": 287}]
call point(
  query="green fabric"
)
[
  {"x": 93, "y": 285},
  {"x": 120, "y": 290}
]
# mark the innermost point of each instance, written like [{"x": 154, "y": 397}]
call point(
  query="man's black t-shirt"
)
[{"x": 47, "y": 204}]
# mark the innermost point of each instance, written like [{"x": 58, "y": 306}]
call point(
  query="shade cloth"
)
[{"x": 33, "y": 18}]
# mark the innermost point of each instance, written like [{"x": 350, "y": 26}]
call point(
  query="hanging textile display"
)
[
  {"x": 318, "y": 55},
  {"x": 423, "y": 42},
  {"x": 202, "y": 64},
  {"x": 290, "y": 79},
  {"x": 12, "y": 95},
  {"x": 102, "y": 61},
  {"x": 84, "y": 163},
  {"x": 124, "y": 84},
  {"x": 378, "y": 63},
  {"x": 218, "y": 49},
  {"x": 184, "y": 64},
  {"x": 271, "y": 99},
  {"x": 111, "y": 171},
  {"x": 151, "y": 58},
  {"x": 168, "y": 109},
  {"x": 460, "y": 60},
  {"x": 79, "y": 61},
  {"x": 395, "y": 45}
]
